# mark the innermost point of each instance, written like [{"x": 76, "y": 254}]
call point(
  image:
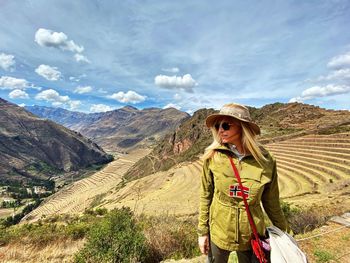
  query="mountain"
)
[
  {"x": 119, "y": 129},
  {"x": 183, "y": 144},
  {"x": 278, "y": 121},
  {"x": 34, "y": 149},
  {"x": 62, "y": 116}
]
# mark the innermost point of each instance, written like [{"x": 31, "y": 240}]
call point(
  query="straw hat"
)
[{"x": 236, "y": 111}]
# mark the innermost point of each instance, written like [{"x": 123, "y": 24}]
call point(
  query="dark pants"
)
[{"x": 218, "y": 255}]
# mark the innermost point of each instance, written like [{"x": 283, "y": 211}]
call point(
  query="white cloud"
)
[
  {"x": 128, "y": 97},
  {"x": 321, "y": 91},
  {"x": 100, "y": 108},
  {"x": 48, "y": 72},
  {"x": 172, "y": 70},
  {"x": 173, "y": 82},
  {"x": 13, "y": 83},
  {"x": 339, "y": 74},
  {"x": 18, "y": 94},
  {"x": 340, "y": 61},
  {"x": 329, "y": 90},
  {"x": 52, "y": 96},
  {"x": 77, "y": 79},
  {"x": 74, "y": 104},
  {"x": 172, "y": 105},
  {"x": 48, "y": 38},
  {"x": 83, "y": 89},
  {"x": 296, "y": 99},
  {"x": 81, "y": 58},
  {"x": 22, "y": 105},
  {"x": 7, "y": 61}
]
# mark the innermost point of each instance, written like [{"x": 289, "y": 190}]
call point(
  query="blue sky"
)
[{"x": 94, "y": 56}]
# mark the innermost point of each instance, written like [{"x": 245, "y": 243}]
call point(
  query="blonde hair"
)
[{"x": 249, "y": 143}]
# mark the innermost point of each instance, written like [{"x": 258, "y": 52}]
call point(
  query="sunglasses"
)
[{"x": 224, "y": 125}]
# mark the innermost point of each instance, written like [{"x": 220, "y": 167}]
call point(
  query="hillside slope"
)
[
  {"x": 86, "y": 193},
  {"x": 316, "y": 172},
  {"x": 317, "y": 179},
  {"x": 119, "y": 129},
  {"x": 277, "y": 121},
  {"x": 33, "y": 149},
  {"x": 183, "y": 144}
]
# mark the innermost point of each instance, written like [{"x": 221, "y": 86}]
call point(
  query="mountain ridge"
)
[
  {"x": 278, "y": 121},
  {"x": 120, "y": 129},
  {"x": 38, "y": 149}
]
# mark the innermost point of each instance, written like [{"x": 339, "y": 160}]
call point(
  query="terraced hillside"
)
[
  {"x": 172, "y": 192},
  {"x": 313, "y": 164},
  {"x": 313, "y": 169},
  {"x": 83, "y": 194}
]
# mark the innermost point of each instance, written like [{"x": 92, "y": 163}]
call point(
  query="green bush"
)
[
  {"x": 77, "y": 230},
  {"x": 323, "y": 256},
  {"x": 116, "y": 238},
  {"x": 288, "y": 210}
]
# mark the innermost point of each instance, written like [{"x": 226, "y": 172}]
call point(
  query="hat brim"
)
[{"x": 211, "y": 119}]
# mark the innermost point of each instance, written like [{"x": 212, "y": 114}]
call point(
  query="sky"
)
[{"x": 95, "y": 56}]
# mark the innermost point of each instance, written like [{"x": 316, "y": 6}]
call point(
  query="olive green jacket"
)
[{"x": 224, "y": 216}]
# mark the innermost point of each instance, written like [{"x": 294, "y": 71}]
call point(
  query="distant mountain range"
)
[
  {"x": 119, "y": 129},
  {"x": 278, "y": 121},
  {"x": 34, "y": 149}
]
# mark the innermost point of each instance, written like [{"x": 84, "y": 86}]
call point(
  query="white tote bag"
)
[{"x": 284, "y": 248}]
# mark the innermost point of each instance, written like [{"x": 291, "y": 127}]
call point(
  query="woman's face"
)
[{"x": 229, "y": 130}]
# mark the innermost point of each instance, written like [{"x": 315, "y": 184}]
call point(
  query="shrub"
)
[
  {"x": 4, "y": 236},
  {"x": 116, "y": 238},
  {"x": 305, "y": 220},
  {"x": 77, "y": 230},
  {"x": 323, "y": 256},
  {"x": 288, "y": 210},
  {"x": 170, "y": 237}
]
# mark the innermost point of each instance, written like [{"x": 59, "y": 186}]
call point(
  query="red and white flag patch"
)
[{"x": 235, "y": 191}]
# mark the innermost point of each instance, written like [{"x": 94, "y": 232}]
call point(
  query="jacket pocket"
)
[{"x": 224, "y": 221}]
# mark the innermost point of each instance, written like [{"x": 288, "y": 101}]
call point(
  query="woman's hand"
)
[{"x": 203, "y": 243}]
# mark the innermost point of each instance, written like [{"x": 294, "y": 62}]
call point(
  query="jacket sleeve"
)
[
  {"x": 271, "y": 201},
  {"x": 206, "y": 195}
]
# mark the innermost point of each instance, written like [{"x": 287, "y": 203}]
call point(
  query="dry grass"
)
[
  {"x": 170, "y": 237},
  {"x": 5, "y": 212},
  {"x": 53, "y": 252},
  {"x": 173, "y": 192},
  {"x": 333, "y": 246}
]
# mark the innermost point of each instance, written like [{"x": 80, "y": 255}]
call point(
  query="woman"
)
[{"x": 223, "y": 223}]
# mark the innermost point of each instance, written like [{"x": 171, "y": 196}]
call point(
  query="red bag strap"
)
[{"x": 251, "y": 221}]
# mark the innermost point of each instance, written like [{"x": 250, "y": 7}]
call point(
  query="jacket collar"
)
[{"x": 226, "y": 149}]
